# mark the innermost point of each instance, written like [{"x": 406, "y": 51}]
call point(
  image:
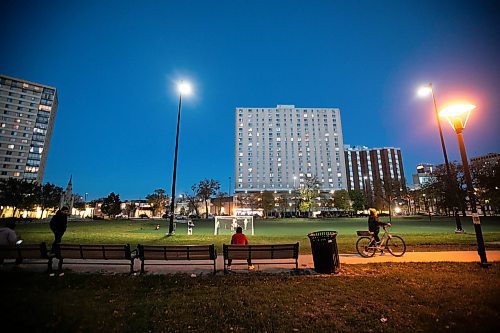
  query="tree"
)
[
  {"x": 193, "y": 200},
  {"x": 308, "y": 193},
  {"x": 111, "y": 205},
  {"x": 49, "y": 196},
  {"x": 18, "y": 193},
  {"x": 266, "y": 202},
  {"x": 78, "y": 201},
  {"x": 341, "y": 200},
  {"x": 206, "y": 189},
  {"x": 486, "y": 178},
  {"x": 158, "y": 201},
  {"x": 130, "y": 209},
  {"x": 219, "y": 201},
  {"x": 358, "y": 200}
]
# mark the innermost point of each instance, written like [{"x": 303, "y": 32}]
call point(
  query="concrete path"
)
[{"x": 305, "y": 263}]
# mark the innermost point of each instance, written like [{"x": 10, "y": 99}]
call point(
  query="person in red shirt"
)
[{"x": 239, "y": 238}]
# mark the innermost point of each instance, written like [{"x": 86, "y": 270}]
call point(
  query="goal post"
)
[{"x": 226, "y": 225}]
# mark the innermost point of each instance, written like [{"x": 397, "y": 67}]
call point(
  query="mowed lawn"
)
[
  {"x": 390, "y": 297},
  {"x": 419, "y": 233}
]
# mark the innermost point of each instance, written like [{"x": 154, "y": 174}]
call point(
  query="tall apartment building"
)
[
  {"x": 27, "y": 112},
  {"x": 277, "y": 148},
  {"x": 373, "y": 163}
]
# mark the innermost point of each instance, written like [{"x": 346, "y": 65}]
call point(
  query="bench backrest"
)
[
  {"x": 24, "y": 251},
  {"x": 177, "y": 252},
  {"x": 261, "y": 251},
  {"x": 79, "y": 251}
]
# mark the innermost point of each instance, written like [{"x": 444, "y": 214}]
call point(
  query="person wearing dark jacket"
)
[
  {"x": 374, "y": 224},
  {"x": 58, "y": 225}
]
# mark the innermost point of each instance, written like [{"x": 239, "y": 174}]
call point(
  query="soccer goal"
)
[{"x": 226, "y": 225}]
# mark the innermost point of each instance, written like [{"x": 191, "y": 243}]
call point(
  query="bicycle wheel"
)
[
  {"x": 396, "y": 246},
  {"x": 364, "y": 250}
]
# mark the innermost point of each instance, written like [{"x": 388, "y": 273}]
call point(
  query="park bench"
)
[
  {"x": 262, "y": 254},
  {"x": 177, "y": 255},
  {"x": 95, "y": 254},
  {"x": 33, "y": 253}
]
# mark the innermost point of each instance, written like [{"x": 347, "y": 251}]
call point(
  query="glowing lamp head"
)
[
  {"x": 425, "y": 91},
  {"x": 184, "y": 88},
  {"x": 457, "y": 115}
]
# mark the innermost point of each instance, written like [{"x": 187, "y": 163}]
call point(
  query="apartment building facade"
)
[
  {"x": 27, "y": 112},
  {"x": 278, "y": 148},
  {"x": 364, "y": 166}
]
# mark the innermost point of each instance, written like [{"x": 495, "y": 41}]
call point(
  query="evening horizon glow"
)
[{"x": 116, "y": 66}]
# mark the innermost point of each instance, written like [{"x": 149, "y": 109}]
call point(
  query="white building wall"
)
[{"x": 276, "y": 148}]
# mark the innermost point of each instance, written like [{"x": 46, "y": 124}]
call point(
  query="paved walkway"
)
[{"x": 305, "y": 262}]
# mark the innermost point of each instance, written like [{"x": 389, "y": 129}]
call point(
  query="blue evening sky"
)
[{"x": 115, "y": 64}]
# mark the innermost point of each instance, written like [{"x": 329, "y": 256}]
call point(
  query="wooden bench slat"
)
[
  {"x": 262, "y": 252},
  {"x": 91, "y": 253},
  {"x": 177, "y": 253}
]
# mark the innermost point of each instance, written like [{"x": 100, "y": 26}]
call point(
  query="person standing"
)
[
  {"x": 58, "y": 225},
  {"x": 239, "y": 238}
]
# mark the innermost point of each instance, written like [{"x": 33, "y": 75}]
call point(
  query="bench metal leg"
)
[
  {"x": 131, "y": 266},
  {"x": 142, "y": 266}
]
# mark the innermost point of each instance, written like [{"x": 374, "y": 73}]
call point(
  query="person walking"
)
[
  {"x": 58, "y": 225},
  {"x": 239, "y": 238}
]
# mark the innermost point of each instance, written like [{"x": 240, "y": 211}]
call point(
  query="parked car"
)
[{"x": 144, "y": 216}]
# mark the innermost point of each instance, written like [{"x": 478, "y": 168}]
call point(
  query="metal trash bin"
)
[{"x": 325, "y": 251}]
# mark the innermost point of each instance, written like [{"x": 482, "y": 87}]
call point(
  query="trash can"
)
[{"x": 325, "y": 252}]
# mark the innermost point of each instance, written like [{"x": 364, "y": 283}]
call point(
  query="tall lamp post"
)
[
  {"x": 184, "y": 88},
  {"x": 425, "y": 91},
  {"x": 457, "y": 116}
]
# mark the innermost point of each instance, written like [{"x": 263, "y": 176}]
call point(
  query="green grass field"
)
[{"x": 418, "y": 232}]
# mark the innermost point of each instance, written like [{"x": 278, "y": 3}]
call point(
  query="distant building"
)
[
  {"x": 277, "y": 148},
  {"x": 366, "y": 165},
  {"x": 485, "y": 160},
  {"x": 424, "y": 171},
  {"x": 28, "y": 112}
]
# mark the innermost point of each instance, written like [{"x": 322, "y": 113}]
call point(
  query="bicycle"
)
[{"x": 367, "y": 246}]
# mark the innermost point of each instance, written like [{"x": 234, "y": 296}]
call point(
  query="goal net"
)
[{"x": 226, "y": 225}]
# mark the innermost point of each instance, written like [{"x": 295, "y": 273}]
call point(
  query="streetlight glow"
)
[
  {"x": 457, "y": 115},
  {"x": 424, "y": 91},
  {"x": 184, "y": 88}
]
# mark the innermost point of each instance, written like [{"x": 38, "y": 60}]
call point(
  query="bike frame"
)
[{"x": 383, "y": 240}]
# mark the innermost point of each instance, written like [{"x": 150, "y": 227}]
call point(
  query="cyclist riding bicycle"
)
[{"x": 374, "y": 224}]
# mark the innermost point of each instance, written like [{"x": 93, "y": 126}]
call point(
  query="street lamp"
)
[
  {"x": 457, "y": 116},
  {"x": 184, "y": 88},
  {"x": 425, "y": 91}
]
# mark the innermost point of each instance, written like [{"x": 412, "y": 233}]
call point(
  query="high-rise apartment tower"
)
[
  {"x": 368, "y": 165},
  {"x": 27, "y": 112},
  {"x": 277, "y": 148}
]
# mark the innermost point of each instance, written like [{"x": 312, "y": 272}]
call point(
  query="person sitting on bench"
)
[{"x": 239, "y": 238}]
